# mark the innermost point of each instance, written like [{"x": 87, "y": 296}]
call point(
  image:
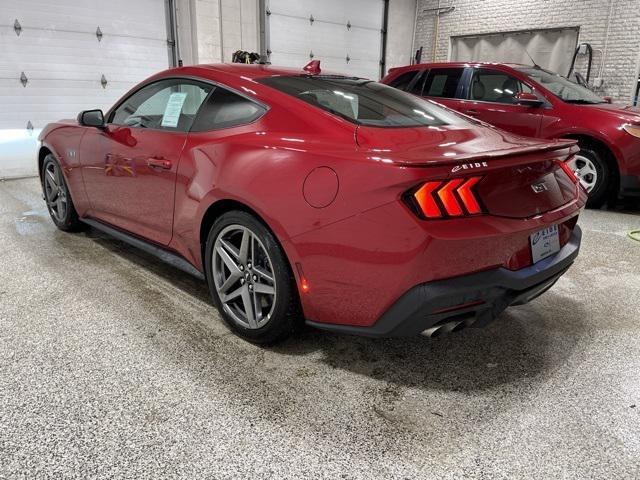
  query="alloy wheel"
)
[
  {"x": 55, "y": 191},
  {"x": 243, "y": 276},
  {"x": 585, "y": 170}
]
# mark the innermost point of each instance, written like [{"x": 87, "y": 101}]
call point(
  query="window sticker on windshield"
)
[{"x": 172, "y": 111}]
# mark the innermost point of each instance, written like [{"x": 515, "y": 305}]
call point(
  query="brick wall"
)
[{"x": 489, "y": 16}]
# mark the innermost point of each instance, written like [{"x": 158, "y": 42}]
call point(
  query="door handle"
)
[
  {"x": 155, "y": 162},
  {"x": 471, "y": 112}
]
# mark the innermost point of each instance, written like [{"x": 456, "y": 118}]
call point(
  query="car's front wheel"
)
[
  {"x": 249, "y": 279},
  {"x": 56, "y": 194},
  {"x": 595, "y": 175}
]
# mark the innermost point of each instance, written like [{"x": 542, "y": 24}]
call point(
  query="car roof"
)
[
  {"x": 462, "y": 65},
  {"x": 248, "y": 71}
]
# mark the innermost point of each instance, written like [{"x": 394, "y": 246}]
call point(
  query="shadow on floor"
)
[
  {"x": 630, "y": 205},
  {"x": 176, "y": 277},
  {"x": 521, "y": 343}
]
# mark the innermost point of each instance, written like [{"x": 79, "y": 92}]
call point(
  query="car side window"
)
[
  {"x": 167, "y": 105},
  {"x": 402, "y": 82},
  {"x": 224, "y": 109},
  {"x": 442, "y": 82},
  {"x": 418, "y": 85},
  {"x": 495, "y": 86}
]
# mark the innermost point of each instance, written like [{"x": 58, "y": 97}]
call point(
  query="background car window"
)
[
  {"x": 494, "y": 86},
  {"x": 442, "y": 82},
  {"x": 224, "y": 109},
  {"x": 169, "y": 104},
  {"x": 561, "y": 87},
  {"x": 402, "y": 81},
  {"x": 418, "y": 84},
  {"x": 364, "y": 102}
]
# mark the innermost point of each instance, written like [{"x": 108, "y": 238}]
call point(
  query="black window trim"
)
[
  {"x": 423, "y": 73},
  {"x": 417, "y": 73},
  {"x": 205, "y": 81},
  {"x": 461, "y": 83}
]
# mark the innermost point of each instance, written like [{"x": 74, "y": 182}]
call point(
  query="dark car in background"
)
[{"x": 534, "y": 102}]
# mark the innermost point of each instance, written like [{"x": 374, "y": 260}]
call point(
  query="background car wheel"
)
[
  {"x": 593, "y": 171},
  {"x": 250, "y": 280},
  {"x": 56, "y": 194}
]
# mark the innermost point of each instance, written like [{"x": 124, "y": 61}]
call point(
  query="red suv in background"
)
[{"x": 534, "y": 102}]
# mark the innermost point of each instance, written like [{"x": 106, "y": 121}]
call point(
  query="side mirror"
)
[
  {"x": 527, "y": 99},
  {"x": 91, "y": 118},
  {"x": 607, "y": 99}
]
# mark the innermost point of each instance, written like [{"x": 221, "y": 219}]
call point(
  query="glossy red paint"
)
[
  {"x": 360, "y": 246},
  {"x": 131, "y": 183},
  {"x": 554, "y": 119}
]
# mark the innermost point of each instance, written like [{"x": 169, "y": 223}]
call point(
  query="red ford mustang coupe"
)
[{"x": 304, "y": 195}]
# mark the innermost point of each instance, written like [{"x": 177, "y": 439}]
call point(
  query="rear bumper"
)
[{"x": 469, "y": 300}]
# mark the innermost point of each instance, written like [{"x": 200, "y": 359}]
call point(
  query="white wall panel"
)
[
  {"x": 552, "y": 49},
  {"x": 293, "y": 37},
  {"x": 364, "y": 13},
  {"x": 64, "y": 62}
]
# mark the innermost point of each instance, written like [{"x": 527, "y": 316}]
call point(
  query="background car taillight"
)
[{"x": 445, "y": 199}]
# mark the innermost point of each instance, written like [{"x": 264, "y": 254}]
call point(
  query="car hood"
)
[
  {"x": 427, "y": 146},
  {"x": 626, "y": 113}
]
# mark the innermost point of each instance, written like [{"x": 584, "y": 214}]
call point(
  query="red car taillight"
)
[
  {"x": 445, "y": 199},
  {"x": 567, "y": 169}
]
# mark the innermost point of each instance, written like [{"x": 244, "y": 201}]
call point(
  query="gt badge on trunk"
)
[{"x": 539, "y": 187}]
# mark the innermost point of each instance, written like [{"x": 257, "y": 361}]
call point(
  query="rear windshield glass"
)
[{"x": 365, "y": 102}]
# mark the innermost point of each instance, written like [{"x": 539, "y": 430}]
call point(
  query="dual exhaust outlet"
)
[{"x": 450, "y": 325}]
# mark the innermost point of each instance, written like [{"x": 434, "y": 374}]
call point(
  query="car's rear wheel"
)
[
  {"x": 57, "y": 196},
  {"x": 249, "y": 279},
  {"x": 591, "y": 167}
]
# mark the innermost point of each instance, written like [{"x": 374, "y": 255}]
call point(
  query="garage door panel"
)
[
  {"x": 67, "y": 52},
  {"x": 364, "y": 45},
  {"x": 283, "y": 28},
  {"x": 138, "y": 18},
  {"x": 368, "y": 69},
  {"x": 64, "y": 62},
  {"x": 335, "y": 40},
  {"x": 50, "y": 101},
  {"x": 355, "y": 50},
  {"x": 362, "y": 13}
]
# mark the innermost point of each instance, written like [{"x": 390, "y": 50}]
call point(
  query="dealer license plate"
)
[{"x": 544, "y": 243}]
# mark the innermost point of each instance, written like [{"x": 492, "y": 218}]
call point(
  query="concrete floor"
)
[{"x": 114, "y": 365}]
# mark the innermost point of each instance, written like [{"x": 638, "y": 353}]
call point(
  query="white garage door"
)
[
  {"x": 345, "y": 35},
  {"x": 67, "y": 64},
  {"x": 551, "y": 49}
]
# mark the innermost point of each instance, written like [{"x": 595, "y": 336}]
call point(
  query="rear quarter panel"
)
[{"x": 271, "y": 173}]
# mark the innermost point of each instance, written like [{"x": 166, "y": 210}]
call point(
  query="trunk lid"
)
[
  {"x": 522, "y": 191},
  {"x": 450, "y": 145},
  {"x": 521, "y": 177}
]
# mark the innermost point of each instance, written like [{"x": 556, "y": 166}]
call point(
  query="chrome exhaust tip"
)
[{"x": 445, "y": 328}]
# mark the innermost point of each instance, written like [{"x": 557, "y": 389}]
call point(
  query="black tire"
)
[
  {"x": 605, "y": 183},
  {"x": 284, "y": 318},
  {"x": 66, "y": 219}
]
